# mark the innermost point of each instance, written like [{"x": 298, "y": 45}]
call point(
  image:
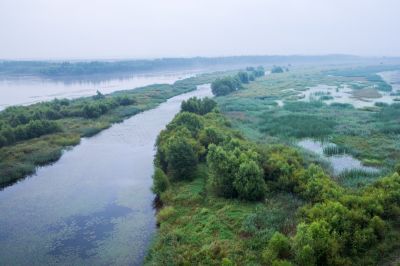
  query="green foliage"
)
[
  {"x": 32, "y": 129},
  {"x": 298, "y": 125},
  {"x": 211, "y": 135},
  {"x": 198, "y": 106},
  {"x": 160, "y": 182},
  {"x": 188, "y": 120},
  {"x": 397, "y": 168},
  {"x": 181, "y": 158},
  {"x": 165, "y": 214},
  {"x": 281, "y": 165},
  {"x": 277, "y": 69},
  {"x": 224, "y": 86},
  {"x": 249, "y": 182},
  {"x": 222, "y": 171},
  {"x": 98, "y": 96},
  {"x": 259, "y": 71},
  {"x": 243, "y": 77},
  {"x": 316, "y": 237},
  {"x": 235, "y": 171},
  {"x": 278, "y": 248}
]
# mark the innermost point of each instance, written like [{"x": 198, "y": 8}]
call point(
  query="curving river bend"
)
[{"x": 93, "y": 206}]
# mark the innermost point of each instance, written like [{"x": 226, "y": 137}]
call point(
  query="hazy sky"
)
[{"x": 78, "y": 29}]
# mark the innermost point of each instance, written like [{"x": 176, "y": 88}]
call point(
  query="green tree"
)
[
  {"x": 316, "y": 236},
  {"x": 211, "y": 135},
  {"x": 222, "y": 168},
  {"x": 243, "y": 77},
  {"x": 259, "y": 72},
  {"x": 277, "y": 69},
  {"x": 278, "y": 247},
  {"x": 249, "y": 181},
  {"x": 160, "y": 181},
  {"x": 98, "y": 95},
  {"x": 189, "y": 120},
  {"x": 224, "y": 86},
  {"x": 198, "y": 106},
  {"x": 181, "y": 158}
]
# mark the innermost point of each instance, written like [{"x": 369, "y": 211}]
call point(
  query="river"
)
[
  {"x": 94, "y": 205},
  {"x": 28, "y": 90}
]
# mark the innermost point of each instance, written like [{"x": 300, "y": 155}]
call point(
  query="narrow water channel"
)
[{"x": 93, "y": 206}]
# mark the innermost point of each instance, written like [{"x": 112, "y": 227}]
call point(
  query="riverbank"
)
[{"x": 72, "y": 120}]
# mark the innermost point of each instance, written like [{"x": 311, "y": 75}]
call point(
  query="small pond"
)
[{"x": 339, "y": 162}]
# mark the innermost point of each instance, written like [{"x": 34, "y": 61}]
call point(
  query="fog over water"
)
[{"x": 75, "y": 29}]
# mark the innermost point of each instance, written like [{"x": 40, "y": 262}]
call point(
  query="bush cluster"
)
[
  {"x": 235, "y": 166},
  {"x": 338, "y": 227},
  {"x": 226, "y": 85},
  {"x": 198, "y": 106},
  {"x": 25, "y": 122}
]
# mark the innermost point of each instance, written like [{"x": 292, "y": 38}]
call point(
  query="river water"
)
[
  {"x": 29, "y": 90},
  {"x": 93, "y": 206}
]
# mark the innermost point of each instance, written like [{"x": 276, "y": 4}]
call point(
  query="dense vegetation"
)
[
  {"x": 36, "y": 134},
  {"x": 258, "y": 199},
  {"x": 277, "y": 69},
  {"x": 226, "y": 85},
  {"x": 369, "y": 134},
  {"x": 201, "y": 160}
]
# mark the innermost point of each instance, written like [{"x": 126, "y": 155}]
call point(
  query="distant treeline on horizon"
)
[{"x": 81, "y": 68}]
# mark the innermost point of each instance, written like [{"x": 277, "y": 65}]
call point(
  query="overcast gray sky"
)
[{"x": 84, "y": 29}]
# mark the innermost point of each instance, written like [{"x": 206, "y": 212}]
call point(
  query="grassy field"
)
[{"x": 198, "y": 228}]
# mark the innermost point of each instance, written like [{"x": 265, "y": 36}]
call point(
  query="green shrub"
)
[
  {"x": 249, "y": 182},
  {"x": 181, "y": 158},
  {"x": 397, "y": 168},
  {"x": 160, "y": 182},
  {"x": 243, "y": 77},
  {"x": 165, "y": 213},
  {"x": 277, "y": 69},
  {"x": 222, "y": 168},
  {"x": 198, "y": 106},
  {"x": 191, "y": 121},
  {"x": 278, "y": 248},
  {"x": 211, "y": 135},
  {"x": 224, "y": 86}
]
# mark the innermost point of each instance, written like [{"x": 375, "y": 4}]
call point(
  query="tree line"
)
[
  {"x": 226, "y": 85},
  {"x": 26, "y": 122}
]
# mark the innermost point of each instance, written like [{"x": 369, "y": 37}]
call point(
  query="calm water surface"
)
[
  {"x": 340, "y": 162},
  {"x": 93, "y": 206},
  {"x": 29, "y": 90}
]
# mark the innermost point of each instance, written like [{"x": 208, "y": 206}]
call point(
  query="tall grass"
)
[
  {"x": 332, "y": 150},
  {"x": 297, "y": 125},
  {"x": 357, "y": 177}
]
